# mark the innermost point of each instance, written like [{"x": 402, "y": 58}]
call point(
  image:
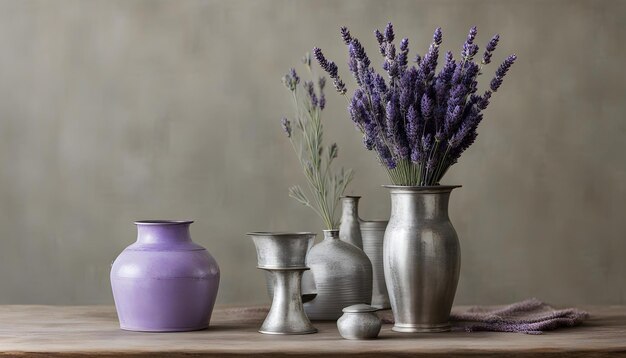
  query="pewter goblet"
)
[{"x": 283, "y": 255}]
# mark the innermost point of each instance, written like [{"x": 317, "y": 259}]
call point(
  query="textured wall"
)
[{"x": 112, "y": 111}]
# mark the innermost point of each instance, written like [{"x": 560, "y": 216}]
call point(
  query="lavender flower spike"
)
[
  {"x": 491, "y": 46},
  {"x": 321, "y": 82},
  {"x": 469, "y": 48},
  {"x": 294, "y": 75},
  {"x": 438, "y": 36},
  {"x": 286, "y": 124},
  {"x": 345, "y": 35},
  {"x": 501, "y": 72},
  {"x": 291, "y": 80},
  {"x": 389, "y": 35},
  {"x": 310, "y": 88},
  {"x": 404, "y": 53},
  {"x": 331, "y": 68}
]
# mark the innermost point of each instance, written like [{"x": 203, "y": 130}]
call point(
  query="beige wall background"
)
[{"x": 112, "y": 111}]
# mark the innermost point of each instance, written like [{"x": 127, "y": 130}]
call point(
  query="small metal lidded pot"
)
[{"x": 359, "y": 322}]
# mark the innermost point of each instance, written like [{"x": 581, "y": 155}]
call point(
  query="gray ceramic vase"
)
[
  {"x": 350, "y": 229},
  {"x": 372, "y": 233},
  {"x": 422, "y": 258},
  {"x": 342, "y": 275}
]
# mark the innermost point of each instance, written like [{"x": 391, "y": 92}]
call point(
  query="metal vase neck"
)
[
  {"x": 331, "y": 234},
  {"x": 427, "y": 203},
  {"x": 163, "y": 232},
  {"x": 350, "y": 206}
]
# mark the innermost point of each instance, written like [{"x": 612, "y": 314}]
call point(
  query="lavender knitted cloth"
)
[{"x": 529, "y": 316}]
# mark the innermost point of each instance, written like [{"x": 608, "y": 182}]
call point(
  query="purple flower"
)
[
  {"x": 385, "y": 154},
  {"x": 294, "y": 75},
  {"x": 357, "y": 51},
  {"x": 310, "y": 89},
  {"x": 321, "y": 82},
  {"x": 427, "y": 107},
  {"x": 291, "y": 80},
  {"x": 442, "y": 82},
  {"x": 389, "y": 35},
  {"x": 380, "y": 85},
  {"x": 402, "y": 58},
  {"x": 417, "y": 59},
  {"x": 491, "y": 46},
  {"x": 419, "y": 121},
  {"x": 469, "y": 48},
  {"x": 286, "y": 126},
  {"x": 381, "y": 41},
  {"x": 390, "y": 64},
  {"x": 438, "y": 36},
  {"x": 331, "y": 68},
  {"x": 412, "y": 133},
  {"x": 483, "y": 101},
  {"x": 396, "y": 133},
  {"x": 345, "y": 35},
  {"x": 501, "y": 72}
]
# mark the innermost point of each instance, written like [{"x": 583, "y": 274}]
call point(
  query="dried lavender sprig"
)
[
  {"x": 345, "y": 35},
  {"x": 310, "y": 89},
  {"x": 381, "y": 41},
  {"x": 501, "y": 72},
  {"x": 389, "y": 35},
  {"x": 491, "y": 46},
  {"x": 403, "y": 55},
  {"x": 286, "y": 124},
  {"x": 331, "y": 68},
  {"x": 321, "y": 83},
  {"x": 291, "y": 80},
  {"x": 326, "y": 184},
  {"x": 469, "y": 47},
  {"x": 429, "y": 62}
]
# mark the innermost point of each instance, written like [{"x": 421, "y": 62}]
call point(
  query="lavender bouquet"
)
[
  {"x": 418, "y": 121},
  {"x": 326, "y": 184}
]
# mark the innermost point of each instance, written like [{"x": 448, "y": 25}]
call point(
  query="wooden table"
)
[{"x": 92, "y": 331}]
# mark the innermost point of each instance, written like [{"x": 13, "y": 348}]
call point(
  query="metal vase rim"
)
[
  {"x": 279, "y": 233},
  {"x": 421, "y": 189}
]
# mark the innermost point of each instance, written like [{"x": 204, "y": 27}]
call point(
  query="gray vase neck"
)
[
  {"x": 331, "y": 234},
  {"x": 350, "y": 207},
  {"x": 426, "y": 203}
]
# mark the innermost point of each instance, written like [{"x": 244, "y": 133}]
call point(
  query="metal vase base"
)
[
  {"x": 421, "y": 328},
  {"x": 286, "y": 315}
]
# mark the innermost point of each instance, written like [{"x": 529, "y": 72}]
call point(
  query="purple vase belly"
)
[
  {"x": 164, "y": 290},
  {"x": 164, "y": 282}
]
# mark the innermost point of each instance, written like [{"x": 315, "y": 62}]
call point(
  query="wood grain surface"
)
[{"x": 93, "y": 331}]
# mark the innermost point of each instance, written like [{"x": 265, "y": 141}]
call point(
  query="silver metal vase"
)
[
  {"x": 372, "y": 233},
  {"x": 350, "y": 229},
  {"x": 284, "y": 255},
  {"x": 342, "y": 275},
  {"x": 422, "y": 258}
]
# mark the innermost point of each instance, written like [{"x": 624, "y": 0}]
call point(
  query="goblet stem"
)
[{"x": 286, "y": 315}]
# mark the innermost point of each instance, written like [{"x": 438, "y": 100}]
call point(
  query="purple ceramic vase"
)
[{"x": 164, "y": 282}]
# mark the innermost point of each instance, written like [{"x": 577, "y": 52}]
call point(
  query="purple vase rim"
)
[{"x": 163, "y": 222}]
